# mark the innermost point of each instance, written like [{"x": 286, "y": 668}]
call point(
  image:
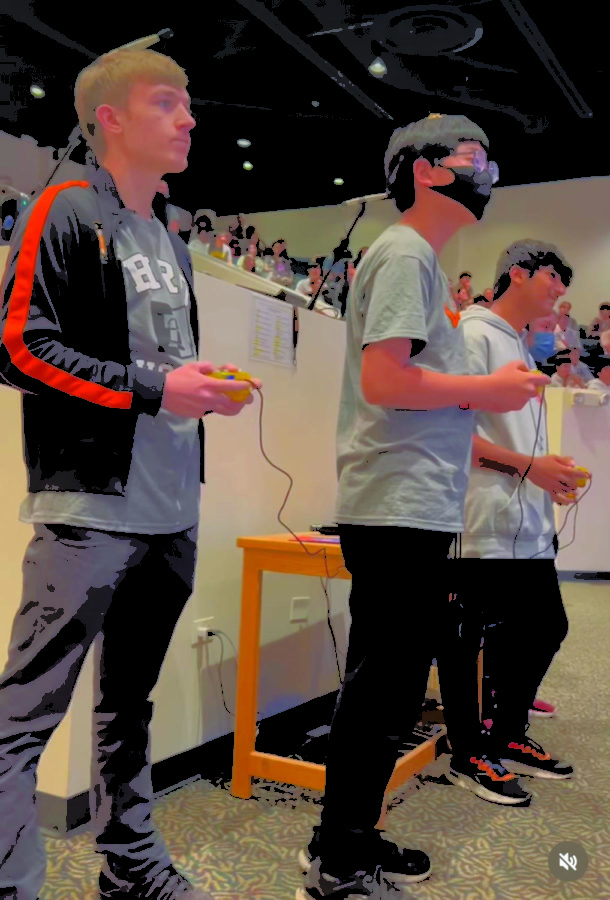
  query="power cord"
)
[{"x": 324, "y": 582}]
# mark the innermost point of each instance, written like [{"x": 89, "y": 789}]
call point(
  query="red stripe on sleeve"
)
[{"x": 19, "y": 308}]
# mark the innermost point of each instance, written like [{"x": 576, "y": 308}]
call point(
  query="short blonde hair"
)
[{"x": 109, "y": 80}]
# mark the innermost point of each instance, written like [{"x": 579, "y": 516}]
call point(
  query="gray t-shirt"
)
[
  {"x": 162, "y": 493},
  {"x": 396, "y": 466}
]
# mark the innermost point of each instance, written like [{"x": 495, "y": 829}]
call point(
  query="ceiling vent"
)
[{"x": 426, "y": 31}]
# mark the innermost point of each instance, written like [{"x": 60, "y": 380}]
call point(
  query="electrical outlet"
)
[
  {"x": 299, "y": 609},
  {"x": 200, "y": 630}
]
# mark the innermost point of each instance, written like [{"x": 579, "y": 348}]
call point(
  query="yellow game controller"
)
[
  {"x": 239, "y": 396},
  {"x": 581, "y": 481},
  {"x": 539, "y": 390}
]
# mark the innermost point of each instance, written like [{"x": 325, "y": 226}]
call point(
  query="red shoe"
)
[{"x": 543, "y": 709}]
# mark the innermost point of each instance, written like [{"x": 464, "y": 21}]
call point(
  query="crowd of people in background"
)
[
  {"x": 575, "y": 356},
  {"x": 243, "y": 247}
]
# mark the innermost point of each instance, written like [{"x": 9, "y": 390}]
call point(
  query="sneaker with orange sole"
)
[
  {"x": 489, "y": 780},
  {"x": 526, "y": 757}
]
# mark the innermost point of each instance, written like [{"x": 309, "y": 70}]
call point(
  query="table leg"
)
[
  {"x": 480, "y": 683},
  {"x": 247, "y": 678}
]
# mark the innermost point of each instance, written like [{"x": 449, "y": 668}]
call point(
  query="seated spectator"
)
[
  {"x": 282, "y": 270},
  {"x": 567, "y": 333},
  {"x": 267, "y": 263},
  {"x": 251, "y": 261},
  {"x": 306, "y": 285},
  {"x": 220, "y": 248},
  {"x": 465, "y": 284},
  {"x": 309, "y": 287},
  {"x": 571, "y": 371},
  {"x": 602, "y": 382},
  {"x": 601, "y": 322},
  {"x": 202, "y": 235}
]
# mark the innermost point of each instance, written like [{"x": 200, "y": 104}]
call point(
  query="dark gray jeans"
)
[{"x": 128, "y": 591}]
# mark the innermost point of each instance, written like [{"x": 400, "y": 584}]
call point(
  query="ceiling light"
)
[
  {"x": 37, "y": 91},
  {"x": 242, "y": 142},
  {"x": 248, "y": 166},
  {"x": 338, "y": 181},
  {"x": 378, "y": 68},
  {"x": 315, "y": 102}
]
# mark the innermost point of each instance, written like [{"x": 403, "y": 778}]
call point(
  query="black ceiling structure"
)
[{"x": 292, "y": 77}]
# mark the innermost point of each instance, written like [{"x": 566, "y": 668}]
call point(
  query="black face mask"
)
[{"x": 471, "y": 188}]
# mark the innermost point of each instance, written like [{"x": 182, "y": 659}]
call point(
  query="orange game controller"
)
[{"x": 239, "y": 396}]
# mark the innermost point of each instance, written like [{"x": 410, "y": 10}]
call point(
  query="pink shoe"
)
[{"x": 540, "y": 708}]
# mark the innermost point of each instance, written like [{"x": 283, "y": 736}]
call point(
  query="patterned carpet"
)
[{"x": 242, "y": 849}]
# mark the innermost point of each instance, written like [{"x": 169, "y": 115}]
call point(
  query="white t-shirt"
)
[
  {"x": 303, "y": 287},
  {"x": 402, "y": 467},
  {"x": 494, "y": 500}
]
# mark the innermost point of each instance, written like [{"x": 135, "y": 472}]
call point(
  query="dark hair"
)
[
  {"x": 267, "y": 251},
  {"x": 250, "y": 231},
  {"x": 469, "y": 274},
  {"x": 480, "y": 299},
  {"x": 529, "y": 255},
  {"x": 206, "y": 224},
  {"x": 433, "y": 138},
  {"x": 604, "y": 306}
]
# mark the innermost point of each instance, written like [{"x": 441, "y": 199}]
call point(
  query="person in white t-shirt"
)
[
  {"x": 571, "y": 371},
  {"x": 602, "y": 382},
  {"x": 309, "y": 287},
  {"x": 509, "y": 513}
]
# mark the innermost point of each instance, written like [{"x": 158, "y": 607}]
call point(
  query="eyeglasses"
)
[{"x": 480, "y": 164}]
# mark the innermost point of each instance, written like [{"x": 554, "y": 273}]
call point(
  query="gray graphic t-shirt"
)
[
  {"x": 162, "y": 493},
  {"x": 402, "y": 467}
]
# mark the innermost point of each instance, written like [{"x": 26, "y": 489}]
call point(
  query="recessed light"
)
[
  {"x": 338, "y": 181},
  {"x": 378, "y": 68},
  {"x": 37, "y": 91},
  {"x": 248, "y": 166},
  {"x": 315, "y": 103},
  {"x": 242, "y": 142}
]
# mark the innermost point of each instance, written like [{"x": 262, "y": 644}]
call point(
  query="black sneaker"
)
[
  {"x": 168, "y": 885},
  {"x": 526, "y": 757},
  {"x": 399, "y": 865},
  {"x": 489, "y": 780},
  {"x": 320, "y": 885}
]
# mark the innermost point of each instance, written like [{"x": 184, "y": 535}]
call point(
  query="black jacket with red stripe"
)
[{"x": 64, "y": 339}]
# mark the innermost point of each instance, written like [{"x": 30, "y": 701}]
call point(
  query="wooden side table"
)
[{"x": 282, "y": 553}]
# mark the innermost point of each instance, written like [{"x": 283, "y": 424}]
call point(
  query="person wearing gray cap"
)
[{"x": 404, "y": 447}]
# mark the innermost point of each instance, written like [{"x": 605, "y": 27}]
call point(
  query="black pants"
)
[
  {"x": 125, "y": 592},
  {"x": 524, "y": 625},
  {"x": 401, "y": 619}
]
